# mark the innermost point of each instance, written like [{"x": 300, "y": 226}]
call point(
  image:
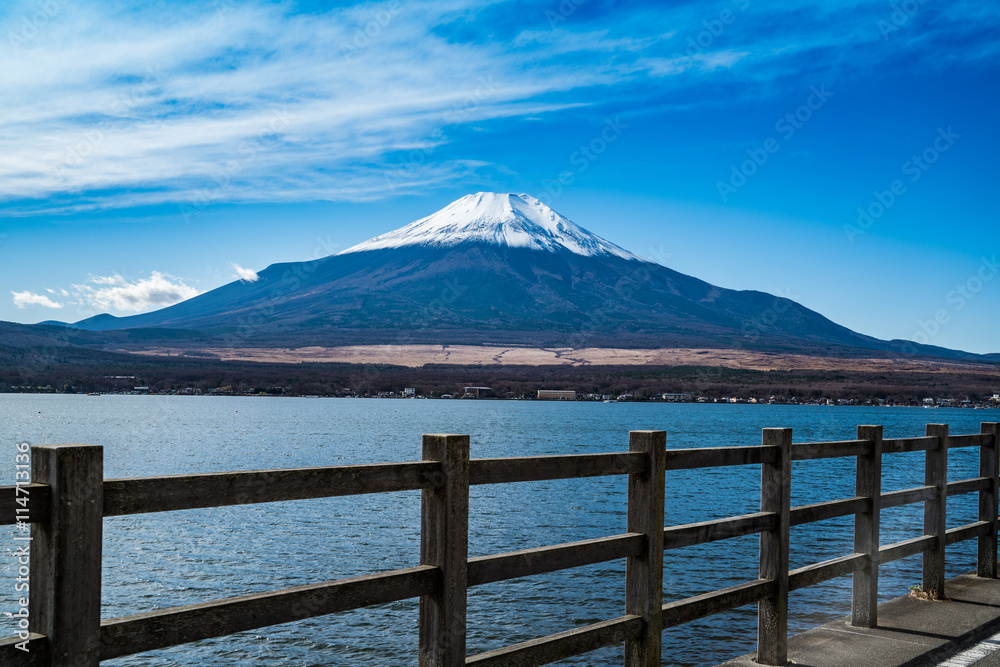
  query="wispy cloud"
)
[
  {"x": 109, "y": 106},
  {"x": 115, "y": 293},
  {"x": 133, "y": 296},
  {"x": 248, "y": 275},
  {"x": 26, "y": 298}
]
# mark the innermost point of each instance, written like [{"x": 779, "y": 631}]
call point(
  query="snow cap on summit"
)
[{"x": 517, "y": 221}]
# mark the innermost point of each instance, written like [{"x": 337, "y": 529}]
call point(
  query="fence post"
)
[
  {"x": 775, "y": 496},
  {"x": 935, "y": 510},
  {"x": 65, "y": 571},
  {"x": 444, "y": 543},
  {"x": 864, "y": 602},
  {"x": 987, "y": 561},
  {"x": 644, "y": 574}
]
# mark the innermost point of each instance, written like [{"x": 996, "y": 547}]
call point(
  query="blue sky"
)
[{"x": 839, "y": 153}]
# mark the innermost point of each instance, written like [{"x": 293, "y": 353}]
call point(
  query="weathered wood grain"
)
[
  {"x": 563, "y": 466},
  {"x": 179, "y": 625},
  {"x": 139, "y": 495},
  {"x": 906, "y": 548},
  {"x": 65, "y": 569},
  {"x": 37, "y": 654},
  {"x": 971, "y": 440},
  {"x": 935, "y": 511},
  {"x": 917, "y": 494},
  {"x": 817, "y": 573},
  {"x": 867, "y": 484},
  {"x": 830, "y": 509},
  {"x": 38, "y": 503},
  {"x": 528, "y": 562},
  {"x": 809, "y": 451},
  {"x": 986, "y": 556},
  {"x": 562, "y": 645},
  {"x": 702, "y": 532},
  {"x": 969, "y": 531},
  {"x": 775, "y": 494},
  {"x": 902, "y": 445},
  {"x": 644, "y": 572},
  {"x": 713, "y": 457},
  {"x": 444, "y": 544},
  {"x": 716, "y": 602},
  {"x": 968, "y": 486}
]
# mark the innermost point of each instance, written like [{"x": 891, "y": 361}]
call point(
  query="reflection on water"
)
[{"x": 161, "y": 560}]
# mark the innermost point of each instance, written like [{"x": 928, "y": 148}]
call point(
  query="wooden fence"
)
[{"x": 68, "y": 497}]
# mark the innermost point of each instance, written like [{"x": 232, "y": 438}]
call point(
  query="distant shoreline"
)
[
  {"x": 977, "y": 405},
  {"x": 436, "y": 370}
]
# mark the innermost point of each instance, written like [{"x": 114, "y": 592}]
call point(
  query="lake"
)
[{"x": 174, "y": 558}]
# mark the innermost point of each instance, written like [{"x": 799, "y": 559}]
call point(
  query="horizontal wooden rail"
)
[
  {"x": 830, "y": 509},
  {"x": 907, "y": 496},
  {"x": 902, "y": 445},
  {"x": 969, "y": 485},
  {"x": 808, "y": 451},
  {"x": 973, "y": 440},
  {"x": 562, "y": 645},
  {"x": 37, "y": 653},
  {"x": 967, "y": 532},
  {"x": 905, "y": 548},
  {"x": 179, "y": 625},
  {"x": 713, "y": 457},
  {"x": 563, "y": 466},
  {"x": 824, "y": 571},
  {"x": 527, "y": 562},
  {"x": 139, "y": 495},
  {"x": 690, "y": 534},
  {"x": 38, "y": 504},
  {"x": 716, "y": 602}
]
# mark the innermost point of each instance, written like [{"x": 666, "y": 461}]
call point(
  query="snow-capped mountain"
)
[
  {"x": 514, "y": 221},
  {"x": 490, "y": 268}
]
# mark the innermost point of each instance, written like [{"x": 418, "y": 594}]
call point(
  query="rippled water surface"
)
[{"x": 161, "y": 560}]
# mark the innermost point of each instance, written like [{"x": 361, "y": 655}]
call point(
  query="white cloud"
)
[
  {"x": 117, "y": 293},
  {"x": 107, "y": 280},
  {"x": 248, "y": 275},
  {"x": 248, "y": 101},
  {"x": 26, "y": 298}
]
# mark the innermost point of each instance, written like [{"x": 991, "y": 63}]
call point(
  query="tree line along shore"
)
[{"x": 972, "y": 386}]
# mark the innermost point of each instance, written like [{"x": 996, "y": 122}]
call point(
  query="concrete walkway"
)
[{"x": 957, "y": 633}]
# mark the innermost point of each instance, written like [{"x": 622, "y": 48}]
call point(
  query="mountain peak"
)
[{"x": 503, "y": 219}]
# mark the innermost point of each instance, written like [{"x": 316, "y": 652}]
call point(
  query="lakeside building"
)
[{"x": 556, "y": 395}]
